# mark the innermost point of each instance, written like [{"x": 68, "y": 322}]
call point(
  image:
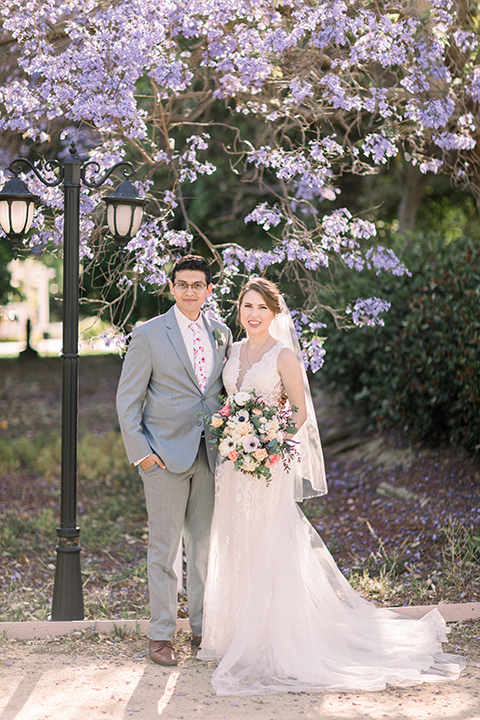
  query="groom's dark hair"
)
[{"x": 192, "y": 262}]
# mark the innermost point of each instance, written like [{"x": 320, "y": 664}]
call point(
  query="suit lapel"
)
[
  {"x": 217, "y": 355},
  {"x": 175, "y": 336}
]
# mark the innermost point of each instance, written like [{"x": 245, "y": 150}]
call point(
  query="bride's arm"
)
[{"x": 292, "y": 378}]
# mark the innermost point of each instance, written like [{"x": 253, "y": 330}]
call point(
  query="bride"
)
[{"x": 278, "y": 614}]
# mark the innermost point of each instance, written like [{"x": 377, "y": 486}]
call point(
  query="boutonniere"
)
[{"x": 219, "y": 336}]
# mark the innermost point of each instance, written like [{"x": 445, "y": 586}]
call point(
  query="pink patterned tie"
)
[{"x": 199, "y": 360}]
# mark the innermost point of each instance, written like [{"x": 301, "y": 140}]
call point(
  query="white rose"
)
[{"x": 241, "y": 398}]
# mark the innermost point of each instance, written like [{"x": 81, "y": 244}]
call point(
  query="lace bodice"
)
[{"x": 262, "y": 376}]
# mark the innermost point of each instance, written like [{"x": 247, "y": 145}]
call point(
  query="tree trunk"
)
[{"x": 413, "y": 190}]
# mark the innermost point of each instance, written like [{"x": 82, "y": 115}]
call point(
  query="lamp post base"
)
[{"x": 67, "y": 601}]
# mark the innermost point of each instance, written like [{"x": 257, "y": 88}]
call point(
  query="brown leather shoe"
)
[
  {"x": 162, "y": 652},
  {"x": 196, "y": 641}
]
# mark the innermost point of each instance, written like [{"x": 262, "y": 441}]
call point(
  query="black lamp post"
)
[{"x": 124, "y": 215}]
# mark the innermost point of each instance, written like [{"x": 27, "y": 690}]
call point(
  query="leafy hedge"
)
[{"x": 422, "y": 370}]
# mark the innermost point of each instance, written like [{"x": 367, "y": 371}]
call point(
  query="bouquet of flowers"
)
[{"x": 251, "y": 434}]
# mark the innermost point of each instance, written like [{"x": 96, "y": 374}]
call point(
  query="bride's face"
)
[{"x": 255, "y": 315}]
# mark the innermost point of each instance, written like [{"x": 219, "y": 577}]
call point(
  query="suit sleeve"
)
[{"x": 132, "y": 387}]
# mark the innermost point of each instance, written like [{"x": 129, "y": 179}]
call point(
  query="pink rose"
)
[
  {"x": 272, "y": 460},
  {"x": 232, "y": 455},
  {"x": 225, "y": 411}
]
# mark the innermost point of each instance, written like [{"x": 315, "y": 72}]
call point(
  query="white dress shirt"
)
[{"x": 187, "y": 334}]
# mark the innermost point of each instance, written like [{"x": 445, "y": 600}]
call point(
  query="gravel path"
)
[{"x": 94, "y": 675}]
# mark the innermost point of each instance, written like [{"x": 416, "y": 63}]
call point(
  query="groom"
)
[{"x": 171, "y": 373}]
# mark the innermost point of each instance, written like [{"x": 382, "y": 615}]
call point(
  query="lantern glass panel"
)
[
  {"x": 137, "y": 220},
  {"x": 4, "y": 219},
  {"x": 119, "y": 218},
  {"x": 16, "y": 216},
  {"x": 30, "y": 213}
]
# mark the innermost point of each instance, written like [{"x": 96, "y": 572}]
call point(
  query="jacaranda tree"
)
[{"x": 294, "y": 93}]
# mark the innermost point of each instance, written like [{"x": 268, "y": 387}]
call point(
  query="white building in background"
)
[
  {"x": 36, "y": 284},
  {"x": 32, "y": 279}
]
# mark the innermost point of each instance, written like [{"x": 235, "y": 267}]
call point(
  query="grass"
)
[
  {"x": 114, "y": 537},
  {"x": 386, "y": 576},
  {"x": 111, "y": 515}
]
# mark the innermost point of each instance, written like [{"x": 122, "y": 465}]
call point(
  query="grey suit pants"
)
[{"x": 176, "y": 502}]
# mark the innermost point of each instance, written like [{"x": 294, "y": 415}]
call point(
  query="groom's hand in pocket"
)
[{"x": 152, "y": 460}]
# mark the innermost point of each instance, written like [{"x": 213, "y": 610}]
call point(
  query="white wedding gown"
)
[{"x": 279, "y": 615}]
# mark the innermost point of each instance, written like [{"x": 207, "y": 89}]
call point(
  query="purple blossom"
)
[
  {"x": 178, "y": 238},
  {"x": 314, "y": 354},
  {"x": 473, "y": 85},
  {"x": 435, "y": 113},
  {"x": 354, "y": 261},
  {"x": 433, "y": 165},
  {"x": 190, "y": 166},
  {"x": 384, "y": 259},
  {"x": 416, "y": 80},
  {"x": 138, "y": 76},
  {"x": 169, "y": 199},
  {"x": 367, "y": 311},
  {"x": 300, "y": 90},
  {"x": 377, "y": 102},
  {"x": 379, "y": 147},
  {"x": 362, "y": 229},
  {"x": 338, "y": 95},
  {"x": 265, "y": 215},
  {"x": 465, "y": 41},
  {"x": 454, "y": 141}
]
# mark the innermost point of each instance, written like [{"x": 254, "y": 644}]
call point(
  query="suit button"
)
[{"x": 199, "y": 422}]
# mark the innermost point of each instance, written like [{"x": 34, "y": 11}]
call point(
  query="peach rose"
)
[
  {"x": 233, "y": 455},
  {"x": 244, "y": 428},
  {"x": 217, "y": 421},
  {"x": 272, "y": 460},
  {"x": 260, "y": 454}
]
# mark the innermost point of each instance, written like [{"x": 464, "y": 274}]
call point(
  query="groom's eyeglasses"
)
[{"x": 197, "y": 287}]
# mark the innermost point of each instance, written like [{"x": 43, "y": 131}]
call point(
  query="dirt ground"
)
[{"x": 95, "y": 675}]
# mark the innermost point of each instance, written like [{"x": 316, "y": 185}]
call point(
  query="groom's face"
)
[{"x": 190, "y": 291}]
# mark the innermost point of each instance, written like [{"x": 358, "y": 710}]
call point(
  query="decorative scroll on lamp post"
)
[{"x": 124, "y": 216}]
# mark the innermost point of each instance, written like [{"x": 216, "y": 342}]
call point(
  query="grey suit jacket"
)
[{"x": 158, "y": 395}]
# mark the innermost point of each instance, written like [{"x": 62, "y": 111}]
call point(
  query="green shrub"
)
[{"x": 421, "y": 370}]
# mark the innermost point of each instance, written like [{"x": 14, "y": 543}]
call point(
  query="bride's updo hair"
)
[{"x": 267, "y": 289}]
